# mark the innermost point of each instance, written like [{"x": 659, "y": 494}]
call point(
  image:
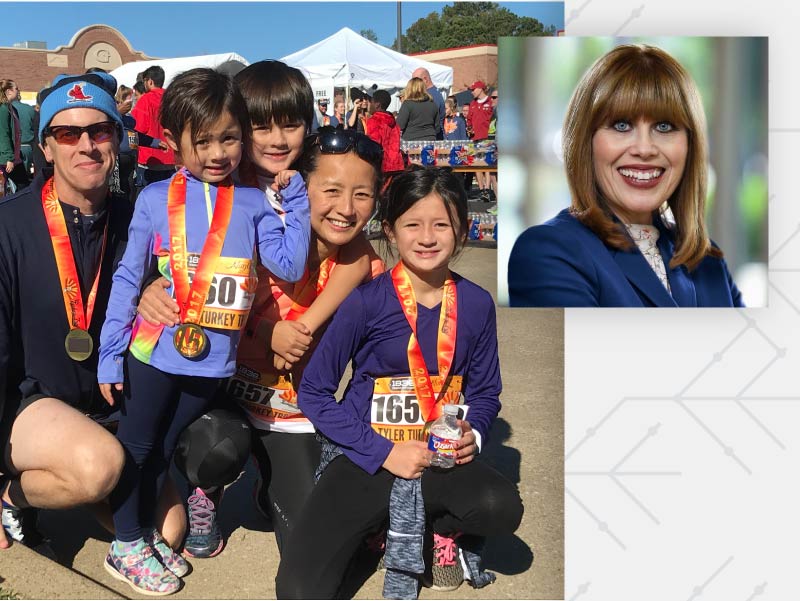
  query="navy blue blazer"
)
[{"x": 562, "y": 263}]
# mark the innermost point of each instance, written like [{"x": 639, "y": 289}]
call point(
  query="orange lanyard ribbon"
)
[
  {"x": 445, "y": 339},
  {"x": 78, "y": 315},
  {"x": 192, "y": 299}
]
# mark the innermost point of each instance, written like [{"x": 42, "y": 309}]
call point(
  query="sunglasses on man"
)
[{"x": 70, "y": 135}]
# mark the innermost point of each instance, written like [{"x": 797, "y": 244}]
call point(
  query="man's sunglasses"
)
[
  {"x": 71, "y": 134},
  {"x": 333, "y": 140}
]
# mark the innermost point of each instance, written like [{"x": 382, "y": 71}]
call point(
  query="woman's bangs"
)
[{"x": 637, "y": 93}]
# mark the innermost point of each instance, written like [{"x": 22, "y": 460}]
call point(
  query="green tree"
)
[
  {"x": 469, "y": 23},
  {"x": 369, "y": 34}
]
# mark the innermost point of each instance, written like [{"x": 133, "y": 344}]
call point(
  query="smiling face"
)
[
  {"x": 81, "y": 171},
  {"x": 638, "y": 164},
  {"x": 341, "y": 194},
  {"x": 216, "y": 152},
  {"x": 276, "y": 147},
  {"x": 424, "y": 236}
]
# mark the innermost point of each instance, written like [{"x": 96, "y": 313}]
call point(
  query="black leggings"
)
[
  {"x": 158, "y": 406},
  {"x": 287, "y": 463},
  {"x": 348, "y": 504}
]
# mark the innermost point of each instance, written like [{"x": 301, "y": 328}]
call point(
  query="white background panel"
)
[{"x": 683, "y": 427}]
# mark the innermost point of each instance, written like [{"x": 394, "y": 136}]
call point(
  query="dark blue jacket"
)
[{"x": 562, "y": 263}]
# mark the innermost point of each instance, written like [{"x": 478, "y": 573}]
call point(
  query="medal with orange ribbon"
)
[
  {"x": 78, "y": 343},
  {"x": 445, "y": 340},
  {"x": 190, "y": 340}
]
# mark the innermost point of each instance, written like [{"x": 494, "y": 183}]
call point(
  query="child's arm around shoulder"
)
[
  {"x": 353, "y": 267},
  {"x": 284, "y": 248},
  {"x": 291, "y": 339}
]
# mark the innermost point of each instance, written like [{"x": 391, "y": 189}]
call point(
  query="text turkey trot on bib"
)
[
  {"x": 395, "y": 412},
  {"x": 230, "y": 295}
]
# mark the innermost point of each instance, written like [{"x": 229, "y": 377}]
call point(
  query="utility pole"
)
[{"x": 399, "y": 28}]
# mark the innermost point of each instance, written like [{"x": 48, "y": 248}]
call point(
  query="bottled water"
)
[{"x": 445, "y": 433}]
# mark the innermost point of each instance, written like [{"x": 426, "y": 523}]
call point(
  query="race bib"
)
[
  {"x": 395, "y": 412},
  {"x": 230, "y": 295},
  {"x": 267, "y": 401}
]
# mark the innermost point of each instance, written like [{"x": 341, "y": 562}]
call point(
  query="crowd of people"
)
[{"x": 205, "y": 241}]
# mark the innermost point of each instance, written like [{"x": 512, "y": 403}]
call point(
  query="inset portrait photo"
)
[{"x": 634, "y": 172}]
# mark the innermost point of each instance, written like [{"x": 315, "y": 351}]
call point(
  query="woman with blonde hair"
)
[
  {"x": 418, "y": 114},
  {"x": 635, "y": 153},
  {"x": 12, "y": 163}
]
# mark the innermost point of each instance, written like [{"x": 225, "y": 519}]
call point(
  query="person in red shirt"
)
[
  {"x": 480, "y": 114},
  {"x": 158, "y": 164},
  {"x": 382, "y": 127}
]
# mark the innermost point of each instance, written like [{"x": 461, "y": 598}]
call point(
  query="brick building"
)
[
  {"x": 33, "y": 68},
  {"x": 470, "y": 63}
]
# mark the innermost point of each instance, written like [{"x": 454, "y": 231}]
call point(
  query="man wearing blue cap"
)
[{"x": 60, "y": 242}]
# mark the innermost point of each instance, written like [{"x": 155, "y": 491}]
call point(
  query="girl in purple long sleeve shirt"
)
[{"x": 379, "y": 424}]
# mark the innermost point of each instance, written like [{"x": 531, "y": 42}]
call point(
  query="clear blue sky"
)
[{"x": 256, "y": 30}]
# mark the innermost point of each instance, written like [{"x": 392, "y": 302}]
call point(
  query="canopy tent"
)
[
  {"x": 349, "y": 60},
  {"x": 230, "y": 63}
]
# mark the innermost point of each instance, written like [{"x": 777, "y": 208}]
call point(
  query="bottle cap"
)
[{"x": 451, "y": 409}]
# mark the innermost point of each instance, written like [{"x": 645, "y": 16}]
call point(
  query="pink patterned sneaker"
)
[
  {"x": 171, "y": 560},
  {"x": 446, "y": 570},
  {"x": 135, "y": 564}
]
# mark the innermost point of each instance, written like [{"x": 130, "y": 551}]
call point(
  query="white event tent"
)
[
  {"x": 347, "y": 60},
  {"x": 230, "y": 63}
]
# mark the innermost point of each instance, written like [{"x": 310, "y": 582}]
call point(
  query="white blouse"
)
[{"x": 645, "y": 237}]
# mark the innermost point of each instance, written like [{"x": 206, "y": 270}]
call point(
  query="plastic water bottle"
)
[
  {"x": 445, "y": 433},
  {"x": 475, "y": 230}
]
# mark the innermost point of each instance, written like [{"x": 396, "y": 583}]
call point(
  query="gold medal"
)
[
  {"x": 190, "y": 340},
  {"x": 78, "y": 344}
]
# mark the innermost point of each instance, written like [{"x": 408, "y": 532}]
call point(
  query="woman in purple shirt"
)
[{"x": 376, "y": 433}]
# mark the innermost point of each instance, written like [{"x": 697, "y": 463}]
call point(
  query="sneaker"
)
[
  {"x": 135, "y": 564},
  {"x": 171, "y": 560},
  {"x": 492, "y": 210},
  {"x": 447, "y": 573},
  {"x": 204, "y": 539},
  {"x": 20, "y": 525},
  {"x": 485, "y": 196}
]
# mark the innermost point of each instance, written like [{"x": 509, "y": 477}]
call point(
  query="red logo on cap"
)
[{"x": 76, "y": 94}]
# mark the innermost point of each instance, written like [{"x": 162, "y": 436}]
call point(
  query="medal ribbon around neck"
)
[
  {"x": 445, "y": 340},
  {"x": 79, "y": 315},
  {"x": 192, "y": 299}
]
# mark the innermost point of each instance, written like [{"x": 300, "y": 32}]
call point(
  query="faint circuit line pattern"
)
[
  {"x": 757, "y": 591},
  {"x": 576, "y": 12},
  {"x": 582, "y": 590},
  {"x": 635, "y": 14},
  {"x": 700, "y": 589},
  {"x": 616, "y": 475},
  {"x": 601, "y": 525},
  {"x": 683, "y": 400}
]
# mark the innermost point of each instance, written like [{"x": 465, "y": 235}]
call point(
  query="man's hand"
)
[
  {"x": 106, "y": 391},
  {"x": 157, "y": 307},
  {"x": 9, "y": 166},
  {"x": 466, "y": 447},
  {"x": 408, "y": 459}
]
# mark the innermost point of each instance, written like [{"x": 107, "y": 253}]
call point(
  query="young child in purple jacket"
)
[{"x": 202, "y": 233}]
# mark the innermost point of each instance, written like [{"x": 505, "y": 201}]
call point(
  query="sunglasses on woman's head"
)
[
  {"x": 332, "y": 140},
  {"x": 71, "y": 134}
]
